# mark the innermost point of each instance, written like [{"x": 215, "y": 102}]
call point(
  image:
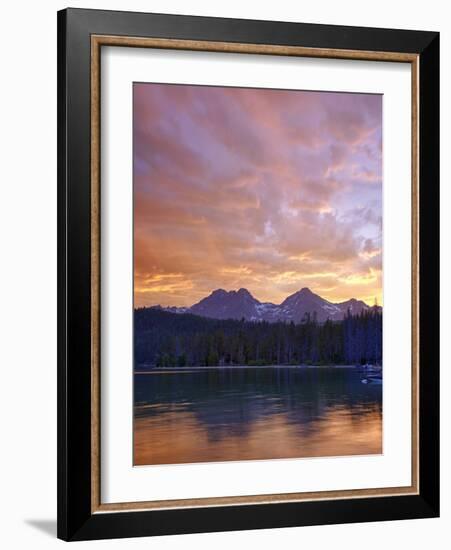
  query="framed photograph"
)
[{"x": 248, "y": 274}]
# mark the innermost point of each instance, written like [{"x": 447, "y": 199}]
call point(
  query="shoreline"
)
[{"x": 152, "y": 370}]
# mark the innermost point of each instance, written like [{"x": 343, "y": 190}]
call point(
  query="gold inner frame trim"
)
[{"x": 97, "y": 41}]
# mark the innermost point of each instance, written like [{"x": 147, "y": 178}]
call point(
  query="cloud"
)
[{"x": 268, "y": 189}]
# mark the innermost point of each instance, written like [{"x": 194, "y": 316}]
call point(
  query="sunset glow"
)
[{"x": 271, "y": 190}]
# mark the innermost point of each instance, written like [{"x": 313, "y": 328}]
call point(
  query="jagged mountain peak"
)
[
  {"x": 239, "y": 292},
  {"x": 244, "y": 292},
  {"x": 219, "y": 292},
  {"x": 303, "y": 294},
  {"x": 241, "y": 304},
  {"x": 232, "y": 304}
]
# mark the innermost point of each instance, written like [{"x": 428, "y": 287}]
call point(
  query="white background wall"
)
[{"x": 28, "y": 271}]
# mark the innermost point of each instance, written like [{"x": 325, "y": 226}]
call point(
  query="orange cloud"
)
[{"x": 271, "y": 190}]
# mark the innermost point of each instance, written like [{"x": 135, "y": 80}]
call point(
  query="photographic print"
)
[
  {"x": 245, "y": 211},
  {"x": 257, "y": 273}
]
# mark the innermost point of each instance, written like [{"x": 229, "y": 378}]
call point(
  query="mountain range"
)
[{"x": 239, "y": 304}]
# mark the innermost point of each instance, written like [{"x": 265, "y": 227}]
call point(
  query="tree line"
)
[{"x": 164, "y": 339}]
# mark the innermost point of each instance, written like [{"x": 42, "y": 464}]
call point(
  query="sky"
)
[{"x": 270, "y": 190}]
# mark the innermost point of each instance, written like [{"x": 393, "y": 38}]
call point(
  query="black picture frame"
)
[{"x": 75, "y": 518}]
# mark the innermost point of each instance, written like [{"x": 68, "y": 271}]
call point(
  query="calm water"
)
[{"x": 217, "y": 414}]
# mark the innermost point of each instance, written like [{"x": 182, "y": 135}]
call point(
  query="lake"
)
[{"x": 185, "y": 415}]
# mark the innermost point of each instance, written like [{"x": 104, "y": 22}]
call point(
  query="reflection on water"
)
[{"x": 212, "y": 414}]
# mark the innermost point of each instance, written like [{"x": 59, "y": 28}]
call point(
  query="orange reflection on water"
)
[{"x": 179, "y": 437}]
